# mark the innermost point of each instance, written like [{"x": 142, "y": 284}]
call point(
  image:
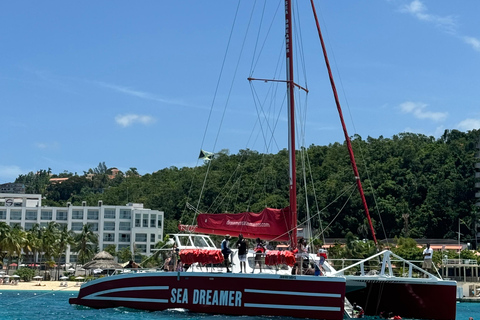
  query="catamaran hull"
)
[
  {"x": 409, "y": 299},
  {"x": 217, "y": 293}
]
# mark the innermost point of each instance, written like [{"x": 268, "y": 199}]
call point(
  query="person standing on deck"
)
[
  {"x": 427, "y": 258},
  {"x": 226, "y": 251},
  {"x": 259, "y": 252},
  {"x": 242, "y": 252}
]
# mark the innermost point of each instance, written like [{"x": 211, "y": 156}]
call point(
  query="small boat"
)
[{"x": 205, "y": 287}]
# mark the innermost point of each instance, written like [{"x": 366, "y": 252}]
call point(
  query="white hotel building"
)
[{"x": 123, "y": 226}]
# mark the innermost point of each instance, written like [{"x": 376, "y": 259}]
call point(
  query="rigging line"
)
[
  {"x": 224, "y": 188},
  {"x": 352, "y": 187},
  {"x": 227, "y": 101},
  {"x": 254, "y": 63},
  {"x": 299, "y": 44},
  {"x": 213, "y": 104},
  {"x": 341, "y": 209}
]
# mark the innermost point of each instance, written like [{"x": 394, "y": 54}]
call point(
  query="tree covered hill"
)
[{"x": 416, "y": 186}]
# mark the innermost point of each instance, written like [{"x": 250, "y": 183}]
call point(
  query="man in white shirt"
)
[{"x": 427, "y": 258}]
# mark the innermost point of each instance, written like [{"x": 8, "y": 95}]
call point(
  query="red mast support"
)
[
  {"x": 291, "y": 120},
  {"x": 347, "y": 138}
]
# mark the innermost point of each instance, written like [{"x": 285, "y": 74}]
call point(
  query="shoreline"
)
[{"x": 44, "y": 286}]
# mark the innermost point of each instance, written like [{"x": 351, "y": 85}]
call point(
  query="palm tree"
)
[
  {"x": 65, "y": 239},
  {"x": 14, "y": 241},
  {"x": 50, "y": 236},
  {"x": 4, "y": 232},
  {"x": 33, "y": 242},
  {"x": 85, "y": 244}
]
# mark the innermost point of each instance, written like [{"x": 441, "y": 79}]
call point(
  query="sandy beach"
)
[{"x": 44, "y": 285}]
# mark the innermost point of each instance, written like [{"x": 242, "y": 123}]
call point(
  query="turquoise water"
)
[{"x": 45, "y": 305}]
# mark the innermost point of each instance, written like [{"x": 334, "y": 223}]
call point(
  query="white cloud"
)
[
  {"x": 469, "y": 124},
  {"x": 130, "y": 119},
  {"x": 473, "y": 42},
  {"x": 9, "y": 173},
  {"x": 44, "y": 145},
  {"x": 141, "y": 94},
  {"x": 418, "y": 111},
  {"x": 417, "y": 9}
]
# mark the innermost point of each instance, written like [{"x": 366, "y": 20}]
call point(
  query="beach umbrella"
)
[
  {"x": 15, "y": 276},
  {"x": 6, "y": 276},
  {"x": 71, "y": 269},
  {"x": 79, "y": 278},
  {"x": 63, "y": 278},
  {"x": 13, "y": 265},
  {"x": 38, "y": 277},
  {"x": 97, "y": 271}
]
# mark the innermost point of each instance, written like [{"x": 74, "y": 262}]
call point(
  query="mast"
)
[
  {"x": 347, "y": 138},
  {"x": 291, "y": 120}
]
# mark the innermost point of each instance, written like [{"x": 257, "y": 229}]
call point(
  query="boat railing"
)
[{"x": 382, "y": 264}]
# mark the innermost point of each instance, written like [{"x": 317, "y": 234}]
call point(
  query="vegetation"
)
[{"x": 416, "y": 187}]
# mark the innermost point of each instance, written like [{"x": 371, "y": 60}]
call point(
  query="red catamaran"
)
[{"x": 275, "y": 291}]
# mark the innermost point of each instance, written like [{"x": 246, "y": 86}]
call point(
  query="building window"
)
[
  {"x": 46, "y": 215},
  {"x": 62, "y": 215},
  {"x": 109, "y": 237},
  {"x": 73, "y": 258},
  {"x": 77, "y": 226},
  {"x": 62, "y": 225},
  {"x": 29, "y": 226},
  {"x": 152, "y": 237},
  {"x": 94, "y": 226},
  {"x": 159, "y": 222},
  {"x": 92, "y": 214},
  {"x": 3, "y": 214},
  {"x": 109, "y": 226},
  {"x": 142, "y": 248},
  {"x": 43, "y": 225},
  {"x": 124, "y": 237},
  {"x": 125, "y": 214},
  {"x": 14, "y": 224},
  {"x": 141, "y": 237},
  {"x": 15, "y": 215},
  {"x": 125, "y": 226},
  {"x": 153, "y": 220},
  {"x": 109, "y": 213},
  {"x": 77, "y": 214},
  {"x": 137, "y": 220},
  {"x": 31, "y": 215},
  {"x": 145, "y": 221},
  {"x": 123, "y": 246},
  {"x": 152, "y": 247}
]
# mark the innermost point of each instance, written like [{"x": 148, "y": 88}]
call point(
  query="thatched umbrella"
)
[{"x": 103, "y": 260}]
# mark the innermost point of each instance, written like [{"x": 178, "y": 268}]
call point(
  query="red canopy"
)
[
  {"x": 13, "y": 265},
  {"x": 270, "y": 224}
]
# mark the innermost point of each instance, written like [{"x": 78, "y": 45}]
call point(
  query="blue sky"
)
[{"x": 131, "y": 84}]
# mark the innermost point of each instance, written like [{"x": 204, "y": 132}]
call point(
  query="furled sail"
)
[{"x": 270, "y": 224}]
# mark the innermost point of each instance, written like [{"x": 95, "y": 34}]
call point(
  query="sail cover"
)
[{"x": 270, "y": 224}]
